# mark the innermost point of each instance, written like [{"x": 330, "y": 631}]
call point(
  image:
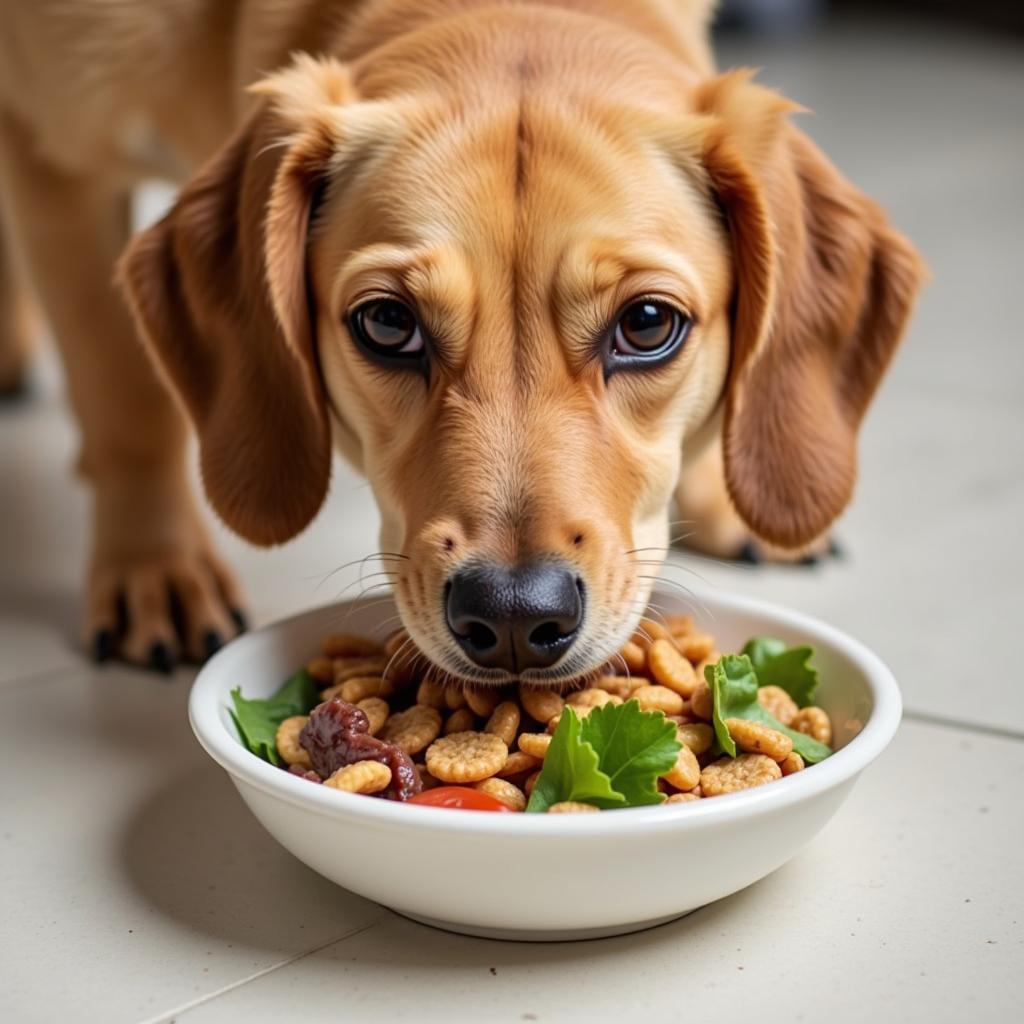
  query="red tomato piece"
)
[{"x": 460, "y": 798}]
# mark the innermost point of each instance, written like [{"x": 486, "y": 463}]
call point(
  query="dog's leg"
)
[
  {"x": 18, "y": 326},
  {"x": 156, "y": 589},
  {"x": 711, "y": 525}
]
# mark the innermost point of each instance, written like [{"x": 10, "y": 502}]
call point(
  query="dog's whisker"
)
[
  {"x": 666, "y": 564},
  {"x": 691, "y": 596},
  {"x": 391, "y": 661},
  {"x": 379, "y": 555},
  {"x": 362, "y": 580}
]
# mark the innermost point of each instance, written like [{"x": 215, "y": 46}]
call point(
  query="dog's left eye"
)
[
  {"x": 388, "y": 329},
  {"x": 649, "y": 329}
]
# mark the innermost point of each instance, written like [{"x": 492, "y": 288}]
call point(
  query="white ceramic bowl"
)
[{"x": 549, "y": 877}]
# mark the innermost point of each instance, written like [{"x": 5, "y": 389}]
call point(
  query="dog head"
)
[{"x": 513, "y": 284}]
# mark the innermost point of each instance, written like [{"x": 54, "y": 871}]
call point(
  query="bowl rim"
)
[{"x": 843, "y": 766}]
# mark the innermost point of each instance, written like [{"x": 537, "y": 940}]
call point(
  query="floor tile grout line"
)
[
  {"x": 176, "y": 1011},
  {"x": 927, "y": 718}
]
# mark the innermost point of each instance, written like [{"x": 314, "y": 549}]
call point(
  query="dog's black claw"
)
[
  {"x": 212, "y": 643},
  {"x": 160, "y": 658},
  {"x": 103, "y": 646},
  {"x": 238, "y": 617},
  {"x": 748, "y": 553},
  {"x": 809, "y": 560},
  {"x": 835, "y": 549}
]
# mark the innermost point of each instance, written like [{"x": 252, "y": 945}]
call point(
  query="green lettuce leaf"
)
[
  {"x": 633, "y": 747},
  {"x": 571, "y": 771},
  {"x": 789, "y": 667},
  {"x": 734, "y": 687},
  {"x": 612, "y": 759},
  {"x": 257, "y": 719}
]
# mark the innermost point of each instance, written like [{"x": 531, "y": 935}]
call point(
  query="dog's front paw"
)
[
  {"x": 754, "y": 552},
  {"x": 158, "y": 609},
  {"x": 728, "y": 538}
]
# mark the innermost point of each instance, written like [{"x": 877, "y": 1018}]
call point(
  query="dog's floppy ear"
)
[
  {"x": 824, "y": 288},
  {"x": 219, "y": 291}
]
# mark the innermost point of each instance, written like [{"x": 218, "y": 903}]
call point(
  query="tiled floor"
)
[{"x": 136, "y": 887}]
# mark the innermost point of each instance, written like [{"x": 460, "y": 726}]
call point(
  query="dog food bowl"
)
[{"x": 550, "y": 877}]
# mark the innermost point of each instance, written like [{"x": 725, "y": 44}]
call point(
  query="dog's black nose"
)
[{"x": 515, "y": 618}]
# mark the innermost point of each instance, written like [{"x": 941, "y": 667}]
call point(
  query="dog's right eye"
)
[{"x": 387, "y": 329}]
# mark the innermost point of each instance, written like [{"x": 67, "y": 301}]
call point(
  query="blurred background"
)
[{"x": 141, "y": 874}]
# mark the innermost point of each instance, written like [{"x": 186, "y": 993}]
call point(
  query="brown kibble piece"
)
[
  {"x": 696, "y": 647},
  {"x": 571, "y": 807},
  {"x": 712, "y": 659},
  {"x": 698, "y": 736},
  {"x": 682, "y": 798},
  {"x": 620, "y": 686},
  {"x": 454, "y": 698},
  {"x": 401, "y": 655},
  {"x": 360, "y": 687},
  {"x": 634, "y": 657},
  {"x": 813, "y": 722},
  {"x": 483, "y": 699},
  {"x": 535, "y": 744},
  {"x": 414, "y": 729},
  {"x": 376, "y": 711},
  {"x": 462, "y": 720},
  {"x": 731, "y": 774},
  {"x": 287, "y": 741},
  {"x": 504, "y": 721},
  {"x": 758, "y": 738},
  {"x": 685, "y": 773},
  {"x": 466, "y": 756},
  {"x": 658, "y": 698},
  {"x": 361, "y": 777},
  {"x": 701, "y": 701},
  {"x": 395, "y": 642},
  {"x": 509, "y": 795},
  {"x": 530, "y": 783},
  {"x": 679, "y": 625},
  {"x": 517, "y": 763},
  {"x": 346, "y": 645},
  {"x": 777, "y": 703},
  {"x": 671, "y": 669},
  {"x": 321, "y": 670},
  {"x": 591, "y": 698},
  {"x": 431, "y": 693},
  {"x": 647, "y": 631},
  {"x": 540, "y": 704},
  {"x": 351, "y": 668},
  {"x": 792, "y": 764}
]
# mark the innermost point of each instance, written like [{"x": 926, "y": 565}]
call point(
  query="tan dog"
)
[{"x": 525, "y": 262}]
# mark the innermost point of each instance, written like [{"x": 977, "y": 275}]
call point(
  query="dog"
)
[{"x": 534, "y": 268}]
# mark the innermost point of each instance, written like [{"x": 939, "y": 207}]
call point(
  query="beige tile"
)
[
  {"x": 42, "y": 533},
  {"x": 134, "y": 879},
  {"x": 907, "y": 907}
]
